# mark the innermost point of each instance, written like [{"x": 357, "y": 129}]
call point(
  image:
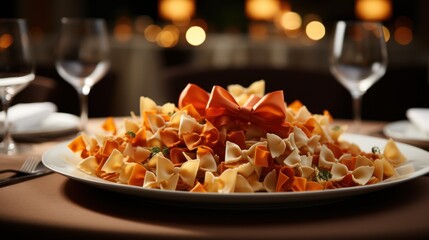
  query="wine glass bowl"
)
[
  {"x": 358, "y": 59},
  {"x": 16, "y": 71},
  {"x": 83, "y": 57}
]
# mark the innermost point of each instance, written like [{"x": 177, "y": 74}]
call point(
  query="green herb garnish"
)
[
  {"x": 323, "y": 175},
  {"x": 154, "y": 150},
  {"x": 131, "y": 134}
]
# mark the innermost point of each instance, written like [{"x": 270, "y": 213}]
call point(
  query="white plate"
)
[
  {"x": 405, "y": 131},
  {"x": 56, "y": 124},
  {"x": 61, "y": 160}
]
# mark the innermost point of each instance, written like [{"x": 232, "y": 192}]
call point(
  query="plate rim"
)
[{"x": 283, "y": 199}]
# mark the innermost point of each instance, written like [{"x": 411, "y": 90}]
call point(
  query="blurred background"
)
[{"x": 158, "y": 46}]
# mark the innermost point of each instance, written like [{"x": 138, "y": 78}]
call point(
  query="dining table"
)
[{"x": 57, "y": 206}]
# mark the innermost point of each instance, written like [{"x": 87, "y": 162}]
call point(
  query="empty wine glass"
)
[
  {"x": 358, "y": 59},
  {"x": 83, "y": 57},
  {"x": 16, "y": 71}
]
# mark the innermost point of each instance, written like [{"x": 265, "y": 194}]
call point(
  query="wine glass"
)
[
  {"x": 16, "y": 71},
  {"x": 83, "y": 57},
  {"x": 358, "y": 59}
]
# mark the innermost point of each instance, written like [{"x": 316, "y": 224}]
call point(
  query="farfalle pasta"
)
[{"x": 228, "y": 141}]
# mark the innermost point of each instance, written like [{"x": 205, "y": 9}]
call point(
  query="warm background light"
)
[
  {"x": 315, "y": 30},
  {"x": 403, "y": 35},
  {"x": 290, "y": 20},
  {"x": 168, "y": 37},
  {"x": 374, "y": 10},
  {"x": 262, "y": 9},
  {"x": 5, "y": 41},
  {"x": 386, "y": 33},
  {"x": 176, "y": 10},
  {"x": 123, "y": 29},
  {"x": 195, "y": 35},
  {"x": 151, "y": 32},
  {"x": 403, "y": 32}
]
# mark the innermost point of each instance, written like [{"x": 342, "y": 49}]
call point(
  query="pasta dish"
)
[{"x": 231, "y": 140}]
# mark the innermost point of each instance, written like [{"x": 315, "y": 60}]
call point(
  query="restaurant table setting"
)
[
  {"x": 39, "y": 121},
  {"x": 413, "y": 130},
  {"x": 75, "y": 201},
  {"x": 230, "y": 163}
]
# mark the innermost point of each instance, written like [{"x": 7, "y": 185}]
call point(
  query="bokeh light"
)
[
  {"x": 403, "y": 32},
  {"x": 151, "y": 32},
  {"x": 373, "y": 10},
  {"x": 315, "y": 30},
  {"x": 5, "y": 41},
  {"x": 290, "y": 20},
  {"x": 195, "y": 35},
  {"x": 403, "y": 35},
  {"x": 123, "y": 29},
  {"x": 168, "y": 37},
  {"x": 386, "y": 33},
  {"x": 176, "y": 10},
  {"x": 262, "y": 9}
]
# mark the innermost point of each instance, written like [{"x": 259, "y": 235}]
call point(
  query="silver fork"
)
[
  {"x": 31, "y": 168},
  {"x": 28, "y": 167}
]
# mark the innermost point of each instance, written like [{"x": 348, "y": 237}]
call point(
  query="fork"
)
[
  {"x": 28, "y": 170},
  {"x": 28, "y": 167}
]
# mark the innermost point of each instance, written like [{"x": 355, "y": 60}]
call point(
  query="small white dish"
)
[
  {"x": 56, "y": 124},
  {"x": 420, "y": 118},
  {"x": 406, "y": 132},
  {"x": 28, "y": 115}
]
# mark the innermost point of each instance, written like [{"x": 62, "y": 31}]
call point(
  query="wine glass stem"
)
[
  {"x": 8, "y": 143},
  {"x": 357, "y": 112},
  {"x": 83, "y": 111}
]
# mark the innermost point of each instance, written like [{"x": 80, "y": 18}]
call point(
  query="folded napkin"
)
[
  {"x": 25, "y": 116},
  {"x": 419, "y": 117}
]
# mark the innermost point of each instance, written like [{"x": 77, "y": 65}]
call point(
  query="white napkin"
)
[
  {"x": 419, "y": 117},
  {"x": 24, "y": 116}
]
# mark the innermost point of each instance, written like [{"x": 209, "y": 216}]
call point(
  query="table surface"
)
[{"x": 56, "y": 206}]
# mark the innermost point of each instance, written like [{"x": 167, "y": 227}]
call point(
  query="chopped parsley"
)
[
  {"x": 155, "y": 150},
  {"x": 130, "y": 134},
  {"x": 323, "y": 175}
]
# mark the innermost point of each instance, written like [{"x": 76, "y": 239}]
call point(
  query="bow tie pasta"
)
[{"x": 226, "y": 141}]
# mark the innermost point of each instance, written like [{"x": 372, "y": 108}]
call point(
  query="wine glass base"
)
[{"x": 14, "y": 148}]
